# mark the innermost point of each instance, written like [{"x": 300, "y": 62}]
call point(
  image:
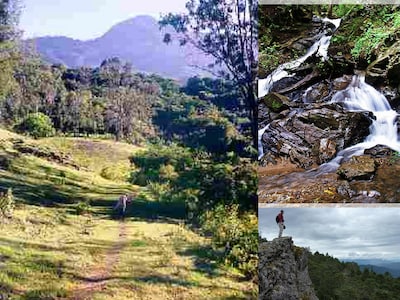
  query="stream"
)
[{"x": 330, "y": 142}]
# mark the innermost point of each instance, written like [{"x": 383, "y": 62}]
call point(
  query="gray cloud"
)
[{"x": 343, "y": 232}]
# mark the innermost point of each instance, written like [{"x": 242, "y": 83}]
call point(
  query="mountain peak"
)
[
  {"x": 137, "y": 40},
  {"x": 139, "y": 21}
]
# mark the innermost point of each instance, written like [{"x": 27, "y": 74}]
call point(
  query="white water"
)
[
  {"x": 360, "y": 96},
  {"x": 320, "y": 47},
  {"x": 264, "y": 85},
  {"x": 260, "y": 146}
]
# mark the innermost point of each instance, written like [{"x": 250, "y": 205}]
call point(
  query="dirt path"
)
[{"x": 101, "y": 273}]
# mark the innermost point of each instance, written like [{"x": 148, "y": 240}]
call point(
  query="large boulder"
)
[
  {"x": 276, "y": 102},
  {"x": 283, "y": 271},
  {"x": 358, "y": 168},
  {"x": 315, "y": 135},
  {"x": 379, "y": 151}
]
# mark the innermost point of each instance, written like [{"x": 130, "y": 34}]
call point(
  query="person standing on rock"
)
[{"x": 280, "y": 221}]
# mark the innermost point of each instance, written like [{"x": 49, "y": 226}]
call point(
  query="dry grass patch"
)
[{"x": 157, "y": 264}]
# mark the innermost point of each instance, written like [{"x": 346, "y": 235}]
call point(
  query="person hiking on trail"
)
[
  {"x": 121, "y": 204},
  {"x": 280, "y": 221}
]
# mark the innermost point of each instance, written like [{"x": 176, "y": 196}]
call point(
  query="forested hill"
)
[
  {"x": 379, "y": 266},
  {"x": 333, "y": 279},
  {"x": 137, "y": 40}
]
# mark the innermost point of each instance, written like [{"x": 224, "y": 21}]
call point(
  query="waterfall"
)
[
  {"x": 360, "y": 96},
  {"x": 320, "y": 48}
]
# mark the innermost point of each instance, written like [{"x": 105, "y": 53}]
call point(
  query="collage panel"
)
[
  {"x": 127, "y": 159},
  {"x": 328, "y": 103},
  {"x": 328, "y": 151},
  {"x": 329, "y": 252}
]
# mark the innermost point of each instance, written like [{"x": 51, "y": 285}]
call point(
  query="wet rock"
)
[
  {"x": 345, "y": 190},
  {"x": 393, "y": 73},
  {"x": 316, "y": 19},
  {"x": 358, "y": 168},
  {"x": 316, "y": 93},
  {"x": 327, "y": 149},
  {"x": 364, "y": 199},
  {"x": 367, "y": 197},
  {"x": 379, "y": 151},
  {"x": 395, "y": 103},
  {"x": 386, "y": 67},
  {"x": 301, "y": 47},
  {"x": 266, "y": 116},
  {"x": 285, "y": 82},
  {"x": 373, "y": 194},
  {"x": 263, "y": 115},
  {"x": 391, "y": 95},
  {"x": 342, "y": 83},
  {"x": 276, "y": 102},
  {"x": 314, "y": 135},
  {"x": 267, "y": 159},
  {"x": 283, "y": 271}
]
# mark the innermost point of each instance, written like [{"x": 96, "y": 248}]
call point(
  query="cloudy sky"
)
[
  {"x": 345, "y": 232},
  {"x": 87, "y": 19}
]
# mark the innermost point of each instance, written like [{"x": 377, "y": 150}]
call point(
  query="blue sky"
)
[
  {"x": 343, "y": 232},
  {"x": 86, "y": 19}
]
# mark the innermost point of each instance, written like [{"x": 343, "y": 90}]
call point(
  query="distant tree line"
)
[
  {"x": 109, "y": 99},
  {"x": 333, "y": 279}
]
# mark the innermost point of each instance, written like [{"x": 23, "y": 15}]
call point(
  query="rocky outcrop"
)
[
  {"x": 283, "y": 271},
  {"x": 314, "y": 135}
]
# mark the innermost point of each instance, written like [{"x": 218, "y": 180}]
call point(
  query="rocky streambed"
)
[{"x": 328, "y": 125}]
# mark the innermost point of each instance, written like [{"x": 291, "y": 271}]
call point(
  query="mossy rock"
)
[{"x": 276, "y": 102}]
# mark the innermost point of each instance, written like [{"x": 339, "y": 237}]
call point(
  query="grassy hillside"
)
[{"x": 63, "y": 242}]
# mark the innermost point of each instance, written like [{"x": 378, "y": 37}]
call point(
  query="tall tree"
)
[
  {"x": 227, "y": 31},
  {"x": 8, "y": 51},
  {"x": 127, "y": 111},
  {"x": 9, "y": 16}
]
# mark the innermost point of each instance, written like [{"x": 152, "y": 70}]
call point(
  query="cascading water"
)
[
  {"x": 260, "y": 146},
  {"x": 360, "y": 96},
  {"x": 320, "y": 47}
]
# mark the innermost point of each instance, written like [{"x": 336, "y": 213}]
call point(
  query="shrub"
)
[
  {"x": 167, "y": 172},
  {"x": 6, "y": 203},
  {"x": 38, "y": 125},
  {"x": 117, "y": 172},
  {"x": 161, "y": 191},
  {"x": 82, "y": 208},
  {"x": 237, "y": 232}
]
